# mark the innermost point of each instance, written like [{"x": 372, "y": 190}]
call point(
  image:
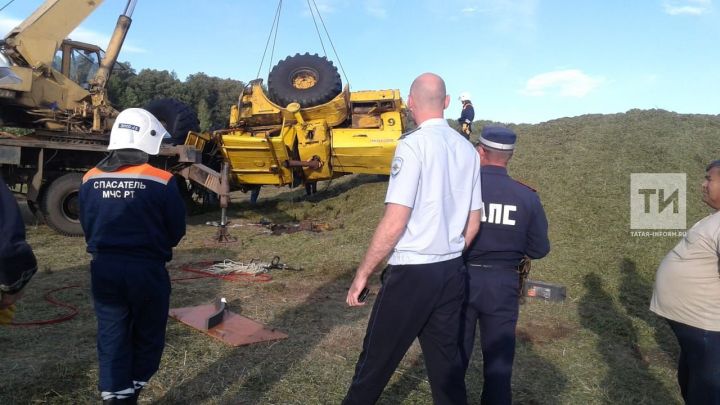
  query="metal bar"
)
[
  {"x": 34, "y": 186},
  {"x": 130, "y": 8}
]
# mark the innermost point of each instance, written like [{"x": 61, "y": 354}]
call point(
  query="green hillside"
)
[{"x": 602, "y": 345}]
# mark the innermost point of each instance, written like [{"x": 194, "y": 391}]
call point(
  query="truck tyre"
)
[
  {"x": 60, "y": 206},
  {"x": 306, "y": 79},
  {"x": 177, "y": 117}
]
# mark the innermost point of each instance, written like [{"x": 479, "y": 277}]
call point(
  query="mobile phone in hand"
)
[{"x": 363, "y": 294}]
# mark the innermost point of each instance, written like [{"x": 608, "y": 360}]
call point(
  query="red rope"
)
[
  {"x": 49, "y": 298},
  {"x": 236, "y": 277}
]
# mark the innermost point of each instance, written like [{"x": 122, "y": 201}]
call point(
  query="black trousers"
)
[
  {"x": 492, "y": 303},
  {"x": 131, "y": 299},
  {"x": 415, "y": 301},
  {"x": 699, "y": 364}
]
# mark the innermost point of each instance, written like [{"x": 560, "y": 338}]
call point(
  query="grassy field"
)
[{"x": 601, "y": 346}]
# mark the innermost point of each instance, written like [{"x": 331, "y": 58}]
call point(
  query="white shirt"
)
[
  {"x": 436, "y": 172},
  {"x": 687, "y": 283}
]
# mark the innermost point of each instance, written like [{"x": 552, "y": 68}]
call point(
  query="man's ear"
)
[
  {"x": 481, "y": 152},
  {"x": 447, "y": 102}
]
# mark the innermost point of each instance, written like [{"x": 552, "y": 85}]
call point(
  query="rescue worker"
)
[
  {"x": 513, "y": 226},
  {"x": 254, "y": 194},
  {"x": 431, "y": 214},
  {"x": 17, "y": 261},
  {"x": 132, "y": 215},
  {"x": 467, "y": 115}
]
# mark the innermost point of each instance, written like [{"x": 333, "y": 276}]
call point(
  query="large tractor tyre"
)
[
  {"x": 60, "y": 205},
  {"x": 197, "y": 199},
  {"x": 177, "y": 117},
  {"x": 306, "y": 79}
]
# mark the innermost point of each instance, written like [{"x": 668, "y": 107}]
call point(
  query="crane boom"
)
[{"x": 36, "y": 39}]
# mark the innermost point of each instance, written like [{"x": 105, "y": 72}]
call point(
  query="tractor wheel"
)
[
  {"x": 60, "y": 206},
  {"x": 197, "y": 199},
  {"x": 306, "y": 79},
  {"x": 177, "y": 117}
]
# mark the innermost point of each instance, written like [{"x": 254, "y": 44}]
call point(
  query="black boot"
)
[{"x": 136, "y": 395}]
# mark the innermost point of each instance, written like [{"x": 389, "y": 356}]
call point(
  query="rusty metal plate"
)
[{"x": 234, "y": 330}]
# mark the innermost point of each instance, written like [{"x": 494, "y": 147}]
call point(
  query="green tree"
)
[
  {"x": 211, "y": 97},
  {"x": 117, "y": 84},
  {"x": 204, "y": 115}
]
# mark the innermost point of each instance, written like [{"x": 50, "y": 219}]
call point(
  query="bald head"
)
[{"x": 428, "y": 97}]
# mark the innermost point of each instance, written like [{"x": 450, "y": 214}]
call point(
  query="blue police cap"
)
[{"x": 499, "y": 138}]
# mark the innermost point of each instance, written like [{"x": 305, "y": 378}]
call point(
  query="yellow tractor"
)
[{"x": 307, "y": 128}]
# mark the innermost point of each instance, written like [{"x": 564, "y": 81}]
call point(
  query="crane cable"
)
[
  {"x": 347, "y": 81},
  {"x": 274, "y": 31},
  {"x": 8, "y": 3},
  {"x": 316, "y": 27}
]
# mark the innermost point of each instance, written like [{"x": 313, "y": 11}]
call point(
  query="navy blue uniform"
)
[
  {"x": 513, "y": 225},
  {"x": 466, "y": 119},
  {"x": 17, "y": 261},
  {"x": 132, "y": 218}
]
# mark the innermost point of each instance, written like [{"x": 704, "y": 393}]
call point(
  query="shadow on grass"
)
[
  {"x": 635, "y": 295},
  {"x": 246, "y": 374},
  {"x": 330, "y": 190},
  {"x": 268, "y": 208},
  {"x": 408, "y": 383},
  {"x": 51, "y": 363},
  {"x": 529, "y": 386},
  {"x": 535, "y": 379},
  {"x": 628, "y": 379},
  {"x": 325, "y": 190}
]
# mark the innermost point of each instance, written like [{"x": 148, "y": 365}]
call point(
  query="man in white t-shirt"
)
[
  {"x": 432, "y": 212},
  {"x": 687, "y": 294}
]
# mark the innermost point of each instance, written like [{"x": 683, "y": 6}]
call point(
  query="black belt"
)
[
  {"x": 482, "y": 266},
  {"x": 492, "y": 266}
]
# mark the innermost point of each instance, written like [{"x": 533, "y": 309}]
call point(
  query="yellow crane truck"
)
[{"x": 305, "y": 128}]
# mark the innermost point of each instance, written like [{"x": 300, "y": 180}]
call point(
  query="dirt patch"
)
[
  {"x": 541, "y": 333},
  {"x": 304, "y": 225}
]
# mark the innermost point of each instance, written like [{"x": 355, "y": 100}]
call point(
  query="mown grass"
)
[{"x": 602, "y": 345}]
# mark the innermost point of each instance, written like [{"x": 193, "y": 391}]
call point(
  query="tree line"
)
[{"x": 211, "y": 97}]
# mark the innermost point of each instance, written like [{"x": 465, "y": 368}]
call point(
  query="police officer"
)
[
  {"x": 431, "y": 213},
  {"x": 467, "y": 115},
  {"x": 513, "y": 226},
  {"x": 132, "y": 215}
]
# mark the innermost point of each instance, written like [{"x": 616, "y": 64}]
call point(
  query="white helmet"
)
[
  {"x": 464, "y": 96},
  {"x": 136, "y": 128}
]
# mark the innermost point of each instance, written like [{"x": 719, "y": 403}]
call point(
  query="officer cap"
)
[{"x": 499, "y": 138}]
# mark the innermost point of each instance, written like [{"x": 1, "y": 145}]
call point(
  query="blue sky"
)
[{"x": 523, "y": 61}]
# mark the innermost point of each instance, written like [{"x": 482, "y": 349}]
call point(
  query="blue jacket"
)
[
  {"x": 467, "y": 115},
  {"x": 136, "y": 210},
  {"x": 514, "y": 222},
  {"x": 17, "y": 261}
]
